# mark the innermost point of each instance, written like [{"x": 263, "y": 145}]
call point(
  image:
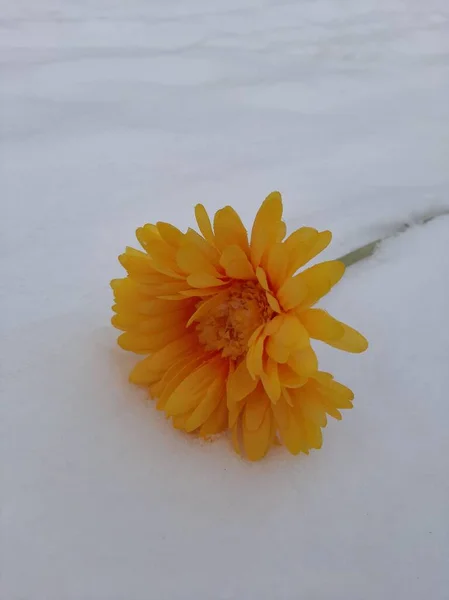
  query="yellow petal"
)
[
  {"x": 314, "y": 434},
  {"x": 204, "y": 224},
  {"x": 292, "y": 334},
  {"x": 236, "y": 263},
  {"x": 277, "y": 351},
  {"x": 191, "y": 259},
  {"x": 262, "y": 278},
  {"x": 170, "y": 234},
  {"x": 312, "y": 409},
  {"x": 292, "y": 433},
  {"x": 216, "y": 423},
  {"x": 157, "y": 363},
  {"x": 303, "y": 245},
  {"x": 191, "y": 390},
  {"x": 274, "y": 304},
  {"x": 254, "y": 356},
  {"x": 293, "y": 292},
  {"x": 265, "y": 230},
  {"x": 304, "y": 362},
  {"x": 240, "y": 384},
  {"x": 214, "y": 395},
  {"x": 179, "y": 422},
  {"x": 203, "y": 292},
  {"x": 229, "y": 230},
  {"x": 146, "y": 234},
  {"x": 163, "y": 257},
  {"x": 176, "y": 374},
  {"x": 191, "y": 237},
  {"x": 144, "y": 343},
  {"x": 289, "y": 378},
  {"x": 204, "y": 280},
  {"x": 206, "y": 306},
  {"x": 351, "y": 340},
  {"x": 277, "y": 264},
  {"x": 320, "y": 325},
  {"x": 319, "y": 280},
  {"x": 236, "y": 435},
  {"x": 255, "y": 408},
  {"x": 270, "y": 379},
  {"x": 257, "y": 442}
]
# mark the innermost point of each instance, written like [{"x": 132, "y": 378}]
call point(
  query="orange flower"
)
[{"x": 226, "y": 322}]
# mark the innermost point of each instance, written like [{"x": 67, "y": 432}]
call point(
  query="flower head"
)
[{"x": 226, "y": 323}]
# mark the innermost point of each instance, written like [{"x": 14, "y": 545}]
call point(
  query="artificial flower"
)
[{"x": 226, "y": 320}]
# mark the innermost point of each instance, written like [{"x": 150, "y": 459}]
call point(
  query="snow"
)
[{"x": 118, "y": 113}]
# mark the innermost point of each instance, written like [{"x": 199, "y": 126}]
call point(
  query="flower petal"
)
[
  {"x": 240, "y": 384},
  {"x": 204, "y": 224},
  {"x": 215, "y": 394},
  {"x": 236, "y": 263},
  {"x": 304, "y": 362},
  {"x": 303, "y": 245},
  {"x": 190, "y": 391},
  {"x": 265, "y": 230},
  {"x": 320, "y": 325},
  {"x": 270, "y": 380},
  {"x": 204, "y": 280},
  {"x": 190, "y": 259},
  {"x": 292, "y": 432},
  {"x": 293, "y": 292},
  {"x": 257, "y": 442},
  {"x": 154, "y": 366},
  {"x": 170, "y": 234},
  {"x": 229, "y": 230},
  {"x": 256, "y": 404},
  {"x": 277, "y": 265},
  {"x": 216, "y": 423},
  {"x": 319, "y": 280}
]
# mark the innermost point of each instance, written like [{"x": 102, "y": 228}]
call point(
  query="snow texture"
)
[{"x": 114, "y": 114}]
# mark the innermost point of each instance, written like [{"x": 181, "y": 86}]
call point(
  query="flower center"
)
[{"x": 230, "y": 323}]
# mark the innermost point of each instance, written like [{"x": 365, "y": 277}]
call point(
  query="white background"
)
[{"x": 118, "y": 113}]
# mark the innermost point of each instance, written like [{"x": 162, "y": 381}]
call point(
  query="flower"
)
[{"x": 226, "y": 324}]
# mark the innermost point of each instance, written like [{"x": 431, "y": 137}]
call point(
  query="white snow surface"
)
[{"x": 114, "y": 114}]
